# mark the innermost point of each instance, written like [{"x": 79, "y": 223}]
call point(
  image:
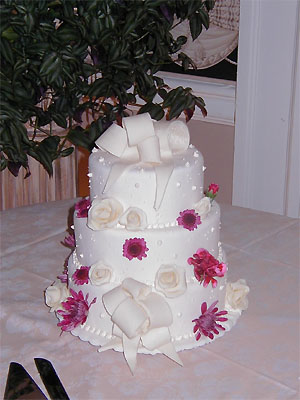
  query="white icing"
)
[
  {"x": 152, "y": 174},
  {"x": 128, "y": 195}
]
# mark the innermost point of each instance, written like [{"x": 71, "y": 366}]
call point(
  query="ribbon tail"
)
[
  {"x": 130, "y": 347},
  {"x": 116, "y": 171},
  {"x": 163, "y": 173},
  {"x": 110, "y": 345},
  {"x": 169, "y": 351}
]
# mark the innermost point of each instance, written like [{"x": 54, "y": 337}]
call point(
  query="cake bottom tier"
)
[{"x": 99, "y": 326}]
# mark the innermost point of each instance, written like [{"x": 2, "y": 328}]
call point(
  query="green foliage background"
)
[{"x": 86, "y": 55}]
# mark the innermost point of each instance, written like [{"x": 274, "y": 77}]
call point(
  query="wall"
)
[
  {"x": 215, "y": 141},
  {"x": 266, "y": 165}
]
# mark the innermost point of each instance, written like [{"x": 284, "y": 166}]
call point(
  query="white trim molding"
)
[
  {"x": 266, "y": 130},
  {"x": 219, "y": 95}
]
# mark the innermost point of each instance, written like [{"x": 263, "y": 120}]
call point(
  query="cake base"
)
[{"x": 84, "y": 333}]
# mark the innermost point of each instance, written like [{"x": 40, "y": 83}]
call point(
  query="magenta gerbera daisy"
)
[
  {"x": 81, "y": 275},
  {"x": 207, "y": 323},
  {"x": 82, "y": 207},
  {"x": 135, "y": 248},
  {"x": 189, "y": 219},
  {"x": 76, "y": 309},
  {"x": 206, "y": 267}
]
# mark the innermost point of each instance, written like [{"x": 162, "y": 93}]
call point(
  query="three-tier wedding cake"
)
[{"x": 147, "y": 273}]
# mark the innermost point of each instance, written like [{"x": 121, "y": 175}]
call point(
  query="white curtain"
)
[{"x": 216, "y": 43}]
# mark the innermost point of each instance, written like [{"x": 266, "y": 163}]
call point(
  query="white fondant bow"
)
[
  {"x": 142, "y": 140},
  {"x": 139, "y": 315}
]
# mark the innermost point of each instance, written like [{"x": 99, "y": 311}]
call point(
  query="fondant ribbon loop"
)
[
  {"x": 142, "y": 140},
  {"x": 139, "y": 316}
]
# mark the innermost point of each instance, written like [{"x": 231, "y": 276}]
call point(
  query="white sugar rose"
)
[
  {"x": 104, "y": 213},
  {"x": 55, "y": 295},
  {"x": 236, "y": 295},
  {"x": 203, "y": 207},
  {"x": 134, "y": 219},
  {"x": 100, "y": 273},
  {"x": 170, "y": 280}
]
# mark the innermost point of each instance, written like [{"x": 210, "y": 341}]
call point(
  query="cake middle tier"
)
[
  {"x": 162, "y": 191},
  {"x": 161, "y": 246}
]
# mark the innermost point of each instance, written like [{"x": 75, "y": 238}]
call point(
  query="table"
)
[{"x": 257, "y": 359}]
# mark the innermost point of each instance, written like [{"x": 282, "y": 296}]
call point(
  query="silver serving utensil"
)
[
  {"x": 20, "y": 385},
  {"x": 50, "y": 379}
]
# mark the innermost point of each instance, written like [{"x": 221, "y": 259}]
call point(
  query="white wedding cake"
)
[{"x": 147, "y": 273}]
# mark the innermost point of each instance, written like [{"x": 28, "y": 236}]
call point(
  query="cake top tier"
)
[{"x": 148, "y": 165}]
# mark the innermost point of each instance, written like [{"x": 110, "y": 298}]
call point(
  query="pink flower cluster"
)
[
  {"x": 206, "y": 267},
  {"x": 207, "y": 323},
  {"x": 135, "y": 248},
  {"x": 81, "y": 275},
  {"x": 82, "y": 207},
  {"x": 76, "y": 309},
  {"x": 189, "y": 219}
]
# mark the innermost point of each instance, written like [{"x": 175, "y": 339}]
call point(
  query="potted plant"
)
[{"x": 62, "y": 59}]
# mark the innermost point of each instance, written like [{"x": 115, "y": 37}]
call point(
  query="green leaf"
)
[
  {"x": 155, "y": 110},
  {"x": 3, "y": 163},
  {"x": 66, "y": 152},
  {"x": 79, "y": 137},
  {"x": 29, "y": 21},
  {"x": 46, "y": 152},
  {"x": 48, "y": 63},
  {"x": 10, "y": 34},
  {"x": 6, "y": 51},
  {"x": 195, "y": 26},
  {"x": 60, "y": 120},
  {"x": 205, "y": 18}
]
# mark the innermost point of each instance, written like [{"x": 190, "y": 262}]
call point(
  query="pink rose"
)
[{"x": 214, "y": 188}]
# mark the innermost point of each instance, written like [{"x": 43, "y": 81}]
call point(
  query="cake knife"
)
[
  {"x": 20, "y": 385},
  {"x": 50, "y": 379}
]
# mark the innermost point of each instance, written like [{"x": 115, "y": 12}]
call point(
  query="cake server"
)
[
  {"x": 20, "y": 385},
  {"x": 50, "y": 379}
]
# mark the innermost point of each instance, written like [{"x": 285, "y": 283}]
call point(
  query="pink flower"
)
[
  {"x": 82, "y": 207},
  {"x": 206, "y": 267},
  {"x": 213, "y": 187},
  {"x": 69, "y": 241},
  {"x": 212, "y": 191},
  {"x": 76, "y": 309},
  {"x": 189, "y": 219},
  {"x": 63, "y": 277},
  {"x": 135, "y": 248},
  {"x": 207, "y": 324},
  {"x": 81, "y": 275}
]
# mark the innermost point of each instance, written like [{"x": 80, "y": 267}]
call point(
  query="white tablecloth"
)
[{"x": 257, "y": 359}]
